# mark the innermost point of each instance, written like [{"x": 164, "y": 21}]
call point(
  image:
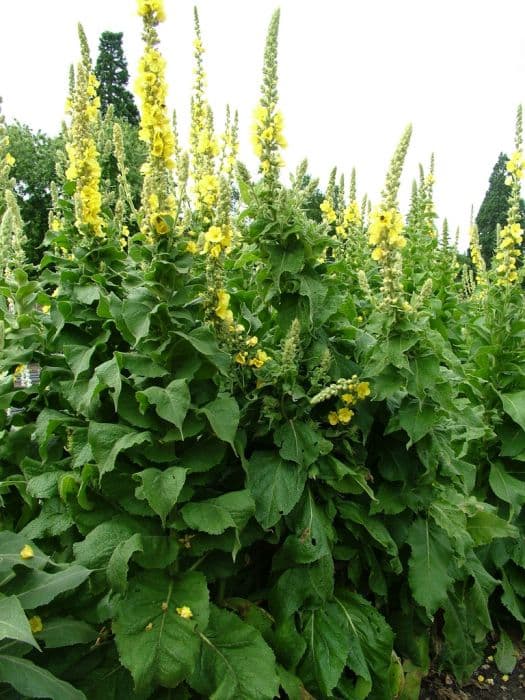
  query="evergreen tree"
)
[
  {"x": 112, "y": 72},
  {"x": 493, "y": 209}
]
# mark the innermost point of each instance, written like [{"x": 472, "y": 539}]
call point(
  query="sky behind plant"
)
[{"x": 352, "y": 75}]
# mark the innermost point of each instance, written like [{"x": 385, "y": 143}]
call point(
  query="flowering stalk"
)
[
  {"x": 385, "y": 231},
  {"x": 158, "y": 201},
  {"x": 83, "y": 157},
  {"x": 267, "y": 128},
  {"x": 511, "y": 235}
]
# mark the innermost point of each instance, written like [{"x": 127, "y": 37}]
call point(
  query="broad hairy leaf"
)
[
  {"x": 514, "y": 406},
  {"x": 161, "y": 488},
  {"x": 234, "y": 661},
  {"x": 117, "y": 569},
  {"x": 428, "y": 564},
  {"x": 171, "y": 402},
  {"x": 223, "y": 415},
  {"x": 35, "y": 588},
  {"x": 275, "y": 484},
  {"x": 65, "y": 631},
  {"x": 300, "y": 442},
  {"x": 107, "y": 440},
  {"x": 506, "y": 656},
  {"x": 507, "y": 487},
  {"x": 34, "y": 682},
  {"x": 216, "y": 515},
  {"x": 156, "y": 644},
  {"x": 13, "y": 622}
]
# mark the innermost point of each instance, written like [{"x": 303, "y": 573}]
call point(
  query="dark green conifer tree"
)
[{"x": 112, "y": 72}]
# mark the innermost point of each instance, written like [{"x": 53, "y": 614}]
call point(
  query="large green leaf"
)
[
  {"x": 428, "y": 564},
  {"x": 216, "y": 515},
  {"x": 460, "y": 651},
  {"x": 11, "y": 544},
  {"x": 276, "y": 486},
  {"x": 300, "y": 442},
  {"x": 171, "y": 403},
  {"x": 223, "y": 415},
  {"x": 514, "y": 406},
  {"x": 302, "y": 586},
  {"x": 417, "y": 420},
  {"x": 35, "y": 588},
  {"x": 161, "y": 489},
  {"x": 13, "y": 622},
  {"x": 65, "y": 631},
  {"x": 507, "y": 487},
  {"x": 34, "y": 682},
  {"x": 235, "y": 662},
  {"x": 109, "y": 374},
  {"x": 117, "y": 569},
  {"x": 506, "y": 656},
  {"x": 484, "y": 526},
  {"x": 107, "y": 440},
  {"x": 98, "y": 546},
  {"x": 155, "y": 643}
]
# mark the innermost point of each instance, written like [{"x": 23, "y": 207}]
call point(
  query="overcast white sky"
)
[{"x": 352, "y": 75}]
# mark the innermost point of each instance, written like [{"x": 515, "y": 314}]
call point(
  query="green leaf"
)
[
  {"x": 107, "y": 440},
  {"x": 223, "y": 415},
  {"x": 137, "y": 318},
  {"x": 326, "y": 634},
  {"x": 117, "y": 569},
  {"x": 302, "y": 586},
  {"x": 205, "y": 342},
  {"x": 276, "y": 486},
  {"x": 459, "y": 651},
  {"x": 36, "y": 588},
  {"x": 216, "y": 515},
  {"x": 13, "y": 622},
  {"x": 506, "y": 656},
  {"x": 65, "y": 631},
  {"x": 428, "y": 564},
  {"x": 161, "y": 489},
  {"x": 514, "y": 604},
  {"x": 507, "y": 487},
  {"x": 514, "y": 406},
  {"x": 109, "y": 374},
  {"x": 235, "y": 662},
  {"x": 485, "y": 526},
  {"x": 171, "y": 403},
  {"x": 299, "y": 442},
  {"x": 79, "y": 357},
  {"x": 11, "y": 544},
  {"x": 35, "y": 682},
  {"x": 417, "y": 420},
  {"x": 155, "y": 643},
  {"x": 96, "y": 549}
]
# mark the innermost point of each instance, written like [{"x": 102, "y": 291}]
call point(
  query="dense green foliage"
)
[
  {"x": 253, "y": 474},
  {"x": 111, "y": 70}
]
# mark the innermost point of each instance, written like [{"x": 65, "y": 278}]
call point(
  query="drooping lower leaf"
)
[{"x": 34, "y": 682}]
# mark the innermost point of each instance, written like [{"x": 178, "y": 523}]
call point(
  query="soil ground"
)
[{"x": 486, "y": 683}]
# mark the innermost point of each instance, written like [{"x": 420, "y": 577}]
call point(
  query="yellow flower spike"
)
[
  {"x": 333, "y": 418},
  {"x": 27, "y": 552},
  {"x": 185, "y": 612},
  {"x": 35, "y": 623}
]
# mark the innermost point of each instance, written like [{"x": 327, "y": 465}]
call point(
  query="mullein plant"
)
[
  {"x": 158, "y": 208},
  {"x": 83, "y": 167},
  {"x": 267, "y": 127},
  {"x": 385, "y": 232},
  {"x": 204, "y": 145},
  {"x": 511, "y": 235},
  {"x": 481, "y": 280}
]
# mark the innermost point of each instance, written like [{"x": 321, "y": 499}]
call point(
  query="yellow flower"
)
[
  {"x": 9, "y": 159},
  {"x": 27, "y": 552},
  {"x": 333, "y": 418},
  {"x": 185, "y": 612},
  {"x": 222, "y": 309},
  {"x": 363, "y": 390},
  {"x": 240, "y": 358},
  {"x": 252, "y": 342},
  {"x": 159, "y": 224},
  {"x": 259, "y": 360},
  {"x": 36, "y": 624},
  {"x": 345, "y": 415},
  {"x": 348, "y": 398},
  {"x": 46, "y": 309},
  {"x": 192, "y": 247}
]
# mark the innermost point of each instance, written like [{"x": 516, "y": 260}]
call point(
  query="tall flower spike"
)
[
  {"x": 385, "y": 232},
  {"x": 204, "y": 146},
  {"x": 511, "y": 235},
  {"x": 158, "y": 201},
  {"x": 83, "y": 157},
  {"x": 267, "y": 129}
]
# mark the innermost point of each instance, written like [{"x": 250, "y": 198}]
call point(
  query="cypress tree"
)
[{"x": 111, "y": 71}]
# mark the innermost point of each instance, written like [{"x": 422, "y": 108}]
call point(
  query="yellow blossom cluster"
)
[
  {"x": 152, "y": 9},
  {"x": 385, "y": 232},
  {"x": 155, "y": 127},
  {"x": 217, "y": 239},
  {"x": 83, "y": 158},
  {"x": 222, "y": 308},
  {"x": 515, "y": 167},
  {"x": 185, "y": 612},
  {"x": 478, "y": 260},
  {"x": 267, "y": 138},
  {"x": 509, "y": 249},
  {"x": 257, "y": 360},
  {"x": 329, "y": 214},
  {"x": 354, "y": 391}
]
